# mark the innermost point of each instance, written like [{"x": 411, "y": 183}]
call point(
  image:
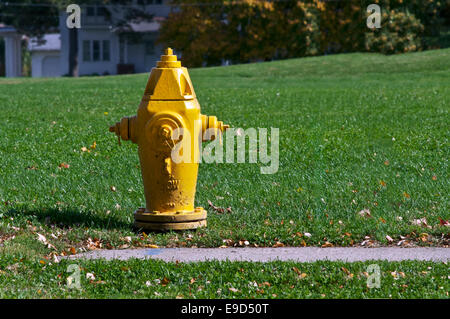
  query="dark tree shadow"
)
[{"x": 69, "y": 217}]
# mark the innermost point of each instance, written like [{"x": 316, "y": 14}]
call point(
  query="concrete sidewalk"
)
[{"x": 299, "y": 254}]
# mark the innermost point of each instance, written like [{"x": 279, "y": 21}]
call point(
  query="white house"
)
[
  {"x": 46, "y": 57},
  {"x": 101, "y": 49}
]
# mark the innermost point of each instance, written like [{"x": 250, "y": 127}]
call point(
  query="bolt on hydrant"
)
[{"x": 168, "y": 129}]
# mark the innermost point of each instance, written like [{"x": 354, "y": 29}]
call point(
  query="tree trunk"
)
[{"x": 73, "y": 52}]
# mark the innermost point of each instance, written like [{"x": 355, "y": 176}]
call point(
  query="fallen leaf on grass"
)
[
  {"x": 128, "y": 239},
  {"x": 165, "y": 281},
  {"x": 299, "y": 273},
  {"x": 327, "y": 244},
  {"x": 296, "y": 270},
  {"x": 42, "y": 238},
  {"x": 365, "y": 213},
  {"x": 219, "y": 209},
  {"x": 421, "y": 222},
  {"x": 443, "y": 222},
  {"x": 389, "y": 238},
  {"x": 64, "y": 165},
  {"x": 94, "y": 243},
  {"x": 424, "y": 237},
  {"x": 278, "y": 244},
  {"x": 345, "y": 270},
  {"x": 233, "y": 289}
]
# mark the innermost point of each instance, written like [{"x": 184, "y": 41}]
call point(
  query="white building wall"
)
[
  {"x": 97, "y": 67},
  {"x": 13, "y": 55},
  {"x": 45, "y": 64},
  {"x": 95, "y": 28}
]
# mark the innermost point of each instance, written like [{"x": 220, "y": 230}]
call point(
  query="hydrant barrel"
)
[{"x": 169, "y": 116}]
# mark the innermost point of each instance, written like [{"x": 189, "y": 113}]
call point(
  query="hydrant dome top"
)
[
  {"x": 168, "y": 60},
  {"x": 169, "y": 80}
]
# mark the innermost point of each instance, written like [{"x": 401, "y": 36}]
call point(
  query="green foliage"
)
[
  {"x": 341, "y": 26},
  {"x": 30, "y": 17},
  {"x": 242, "y": 32},
  {"x": 248, "y": 30},
  {"x": 399, "y": 33}
]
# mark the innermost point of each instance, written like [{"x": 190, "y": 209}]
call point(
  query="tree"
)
[
  {"x": 30, "y": 17},
  {"x": 241, "y": 31},
  {"x": 34, "y": 18}
]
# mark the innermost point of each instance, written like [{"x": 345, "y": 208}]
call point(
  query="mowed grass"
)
[
  {"x": 156, "y": 279},
  {"x": 357, "y": 132}
]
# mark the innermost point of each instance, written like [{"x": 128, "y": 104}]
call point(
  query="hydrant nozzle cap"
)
[{"x": 168, "y": 60}]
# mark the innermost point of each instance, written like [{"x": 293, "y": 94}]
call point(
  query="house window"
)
[
  {"x": 105, "y": 50},
  {"x": 149, "y": 47},
  {"x": 121, "y": 51},
  {"x": 95, "y": 50},
  {"x": 90, "y": 11},
  {"x": 101, "y": 11},
  {"x": 86, "y": 50}
]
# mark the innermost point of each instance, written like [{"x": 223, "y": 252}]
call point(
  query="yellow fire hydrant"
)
[{"x": 169, "y": 106}]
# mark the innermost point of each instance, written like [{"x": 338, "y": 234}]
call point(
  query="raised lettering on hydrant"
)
[{"x": 168, "y": 116}]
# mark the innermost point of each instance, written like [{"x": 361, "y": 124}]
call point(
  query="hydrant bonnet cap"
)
[{"x": 168, "y": 60}]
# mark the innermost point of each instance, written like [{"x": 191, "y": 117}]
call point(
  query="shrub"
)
[
  {"x": 399, "y": 33},
  {"x": 243, "y": 31},
  {"x": 341, "y": 26}
]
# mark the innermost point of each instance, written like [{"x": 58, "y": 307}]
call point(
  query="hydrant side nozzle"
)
[
  {"x": 211, "y": 122},
  {"x": 125, "y": 129}
]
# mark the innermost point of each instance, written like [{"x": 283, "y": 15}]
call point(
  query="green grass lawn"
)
[
  {"x": 357, "y": 132},
  {"x": 157, "y": 279}
]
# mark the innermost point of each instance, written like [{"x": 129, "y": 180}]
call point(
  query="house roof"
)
[
  {"x": 4, "y": 29},
  {"x": 49, "y": 42}
]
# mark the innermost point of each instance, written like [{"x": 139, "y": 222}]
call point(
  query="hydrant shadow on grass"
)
[{"x": 70, "y": 217}]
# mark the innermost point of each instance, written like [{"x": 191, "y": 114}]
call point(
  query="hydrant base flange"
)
[{"x": 170, "y": 221}]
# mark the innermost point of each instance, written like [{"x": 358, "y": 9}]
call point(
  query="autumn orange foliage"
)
[{"x": 214, "y": 32}]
